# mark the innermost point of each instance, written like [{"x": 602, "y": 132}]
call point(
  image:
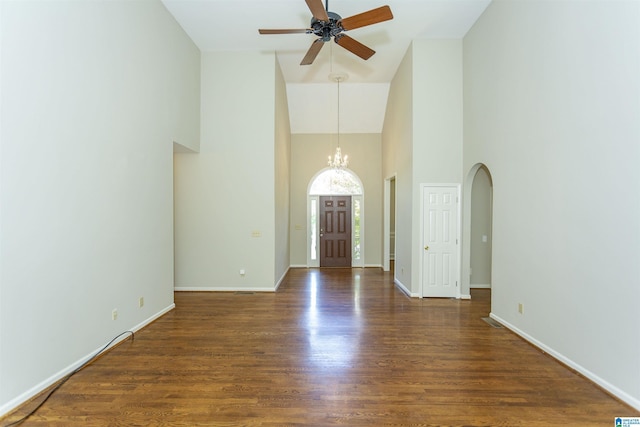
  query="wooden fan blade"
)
[
  {"x": 284, "y": 31},
  {"x": 317, "y": 10},
  {"x": 354, "y": 46},
  {"x": 373, "y": 16},
  {"x": 313, "y": 51}
]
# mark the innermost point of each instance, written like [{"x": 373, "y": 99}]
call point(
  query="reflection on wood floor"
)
[{"x": 330, "y": 347}]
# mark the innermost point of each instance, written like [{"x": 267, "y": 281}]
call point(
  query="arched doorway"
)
[
  {"x": 341, "y": 186},
  {"x": 481, "y": 218},
  {"x": 477, "y": 230}
]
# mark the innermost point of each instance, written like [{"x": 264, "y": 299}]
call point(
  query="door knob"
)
[{"x": 426, "y": 248}]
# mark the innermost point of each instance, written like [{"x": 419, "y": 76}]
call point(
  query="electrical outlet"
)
[
  {"x": 520, "y": 308},
  {"x": 114, "y": 314},
  {"x": 242, "y": 272},
  {"x": 141, "y": 302}
]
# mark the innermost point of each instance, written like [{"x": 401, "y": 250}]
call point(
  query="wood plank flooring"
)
[{"x": 331, "y": 347}]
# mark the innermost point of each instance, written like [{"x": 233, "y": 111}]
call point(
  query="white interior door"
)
[{"x": 440, "y": 241}]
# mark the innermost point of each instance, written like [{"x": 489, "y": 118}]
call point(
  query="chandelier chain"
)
[
  {"x": 338, "y": 161},
  {"x": 338, "y": 112}
]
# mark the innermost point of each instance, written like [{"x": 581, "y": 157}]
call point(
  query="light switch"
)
[{"x": 484, "y": 238}]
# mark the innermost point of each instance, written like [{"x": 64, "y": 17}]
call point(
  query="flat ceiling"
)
[{"x": 232, "y": 25}]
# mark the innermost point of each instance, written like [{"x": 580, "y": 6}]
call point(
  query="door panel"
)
[
  {"x": 440, "y": 242},
  {"x": 335, "y": 231}
]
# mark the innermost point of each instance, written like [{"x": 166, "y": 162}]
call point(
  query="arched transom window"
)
[{"x": 335, "y": 181}]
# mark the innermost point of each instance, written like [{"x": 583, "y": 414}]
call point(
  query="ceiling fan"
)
[{"x": 325, "y": 25}]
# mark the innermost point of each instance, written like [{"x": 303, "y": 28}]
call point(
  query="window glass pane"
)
[
  {"x": 335, "y": 181},
  {"x": 313, "y": 221}
]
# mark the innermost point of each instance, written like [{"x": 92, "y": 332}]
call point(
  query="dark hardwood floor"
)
[{"x": 331, "y": 347}]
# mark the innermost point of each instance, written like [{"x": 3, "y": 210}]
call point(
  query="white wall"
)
[
  {"x": 282, "y": 184},
  {"x": 423, "y": 136},
  {"x": 225, "y": 194},
  {"x": 552, "y": 101},
  {"x": 437, "y": 111},
  {"x": 92, "y": 95},
  {"x": 437, "y": 127},
  {"x": 309, "y": 156},
  {"x": 397, "y": 152}
]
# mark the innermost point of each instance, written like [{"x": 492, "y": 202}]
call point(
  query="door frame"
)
[
  {"x": 458, "y": 223},
  {"x": 316, "y": 262},
  {"x": 311, "y": 263},
  {"x": 386, "y": 233}
]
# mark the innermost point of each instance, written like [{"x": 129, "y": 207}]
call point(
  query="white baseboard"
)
[
  {"x": 222, "y": 289},
  {"x": 40, "y": 387},
  {"x": 154, "y": 317},
  {"x": 282, "y": 278},
  {"x": 480, "y": 286},
  {"x": 404, "y": 289},
  {"x": 620, "y": 394},
  {"x": 463, "y": 296},
  {"x": 365, "y": 266}
]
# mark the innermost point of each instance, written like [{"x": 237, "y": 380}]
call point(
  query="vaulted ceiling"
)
[{"x": 232, "y": 25}]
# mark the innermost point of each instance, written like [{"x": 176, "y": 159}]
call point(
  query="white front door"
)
[{"x": 440, "y": 241}]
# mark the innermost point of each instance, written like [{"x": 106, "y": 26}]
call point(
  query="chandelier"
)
[{"x": 338, "y": 161}]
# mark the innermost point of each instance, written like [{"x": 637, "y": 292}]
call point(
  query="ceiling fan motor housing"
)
[{"x": 326, "y": 30}]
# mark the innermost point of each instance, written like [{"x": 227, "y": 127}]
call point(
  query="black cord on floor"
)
[{"x": 65, "y": 379}]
